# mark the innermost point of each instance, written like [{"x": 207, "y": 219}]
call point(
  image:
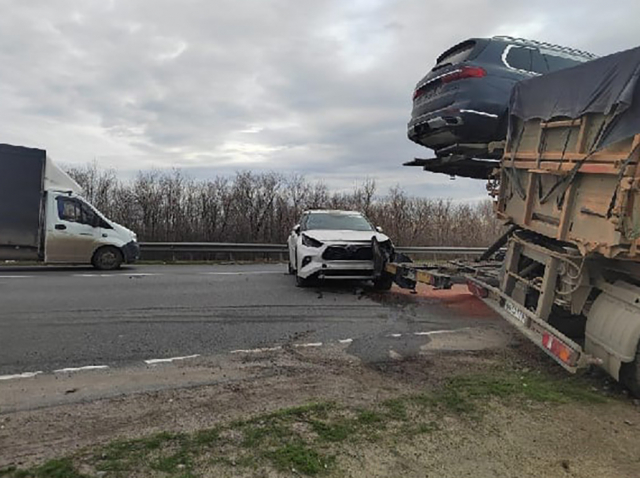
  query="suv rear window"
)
[{"x": 455, "y": 55}]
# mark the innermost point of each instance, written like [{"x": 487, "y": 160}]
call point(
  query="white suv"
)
[{"x": 331, "y": 244}]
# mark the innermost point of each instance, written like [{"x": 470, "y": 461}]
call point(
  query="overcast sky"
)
[{"x": 316, "y": 87}]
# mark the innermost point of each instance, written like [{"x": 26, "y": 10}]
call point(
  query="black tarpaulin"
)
[{"x": 609, "y": 85}]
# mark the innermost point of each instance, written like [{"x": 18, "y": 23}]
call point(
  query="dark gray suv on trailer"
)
[{"x": 461, "y": 105}]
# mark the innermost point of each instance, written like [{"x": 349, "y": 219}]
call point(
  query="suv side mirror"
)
[
  {"x": 296, "y": 229},
  {"x": 378, "y": 228}
]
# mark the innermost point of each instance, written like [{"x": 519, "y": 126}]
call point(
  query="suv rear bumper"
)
[{"x": 455, "y": 125}]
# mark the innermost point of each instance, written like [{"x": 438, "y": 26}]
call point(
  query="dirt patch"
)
[{"x": 492, "y": 412}]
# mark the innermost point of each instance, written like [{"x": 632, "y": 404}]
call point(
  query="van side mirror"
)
[
  {"x": 296, "y": 229},
  {"x": 378, "y": 228}
]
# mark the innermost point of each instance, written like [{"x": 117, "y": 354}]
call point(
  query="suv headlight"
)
[{"x": 310, "y": 241}]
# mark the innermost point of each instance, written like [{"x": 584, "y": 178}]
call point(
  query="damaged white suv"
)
[{"x": 331, "y": 244}]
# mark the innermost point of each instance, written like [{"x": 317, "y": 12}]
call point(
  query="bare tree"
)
[{"x": 263, "y": 207}]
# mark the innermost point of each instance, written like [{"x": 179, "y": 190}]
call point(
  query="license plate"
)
[
  {"x": 427, "y": 95},
  {"x": 515, "y": 312}
]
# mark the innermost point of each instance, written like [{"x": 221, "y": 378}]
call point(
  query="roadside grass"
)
[{"x": 308, "y": 440}]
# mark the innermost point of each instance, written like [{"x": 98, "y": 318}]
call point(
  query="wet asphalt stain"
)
[{"x": 375, "y": 349}]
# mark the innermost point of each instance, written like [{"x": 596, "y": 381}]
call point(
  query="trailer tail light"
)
[{"x": 558, "y": 348}]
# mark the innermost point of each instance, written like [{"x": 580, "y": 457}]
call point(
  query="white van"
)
[{"x": 44, "y": 218}]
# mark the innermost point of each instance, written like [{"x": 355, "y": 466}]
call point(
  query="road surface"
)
[{"x": 61, "y": 318}]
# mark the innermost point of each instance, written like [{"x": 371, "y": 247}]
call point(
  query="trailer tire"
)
[
  {"x": 630, "y": 375},
  {"x": 107, "y": 258}
]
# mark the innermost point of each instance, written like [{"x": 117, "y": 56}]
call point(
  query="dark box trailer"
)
[{"x": 21, "y": 201}]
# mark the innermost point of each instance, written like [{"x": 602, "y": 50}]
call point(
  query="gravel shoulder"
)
[{"x": 457, "y": 408}]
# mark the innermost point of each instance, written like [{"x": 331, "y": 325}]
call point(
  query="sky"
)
[{"x": 320, "y": 88}]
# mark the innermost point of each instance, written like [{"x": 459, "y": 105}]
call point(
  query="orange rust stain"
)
[{"x": 457, "y": 298}]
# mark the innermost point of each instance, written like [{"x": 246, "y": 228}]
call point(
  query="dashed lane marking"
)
[
  {"x": 169, "y": 360},
  {"x": 125, "y": 274},
  {"x": 256, "y": 351},
  {"x": 279, "y": 347},
  {"x": 436, "y": 332},
  {"x": 20, "y": 375},
  {"x": 81, "y": 369},
  {"x": 96, "y": 275},
  {"x": 240, "y": 273},
  {"x": 313, "y": 344},
  {"x": 392, "y": 353}
]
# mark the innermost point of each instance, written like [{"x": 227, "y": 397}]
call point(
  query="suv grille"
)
[{"x": 348, "y": 253}]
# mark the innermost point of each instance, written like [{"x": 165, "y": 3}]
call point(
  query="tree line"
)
[{"x": 263, "y": 208}]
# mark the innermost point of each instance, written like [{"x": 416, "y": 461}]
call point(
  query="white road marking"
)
[
  {"x": 239, "y": 273},
  {"x": 256, "y": 351},
  {"x": 435, "y": 332},
  {"x": 20, "y": 375},
  {"x": 172, "y": 359},
  {"x": 313, "y": 344},
  {"x": 121, "y": 274},
  {"x": 14, "y": 277},
  {"x": 395, "y": 336},
  {"x": 81, "y": 369},
  {"x": 345, "y": 341},
  {"x": 395, "y": 355},
  {"x": 95, "y": 275}
]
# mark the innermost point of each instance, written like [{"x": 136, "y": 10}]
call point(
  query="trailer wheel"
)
[
  {"x": 384, "y": 282},
  {"x": 630, "y": 375},
  {"x": 107, "y": 258}
]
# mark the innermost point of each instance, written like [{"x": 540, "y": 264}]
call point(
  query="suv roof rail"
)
[{"x": 550, "y": 46}]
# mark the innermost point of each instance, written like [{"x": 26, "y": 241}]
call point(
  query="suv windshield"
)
[{"x": 348, "y": 222}]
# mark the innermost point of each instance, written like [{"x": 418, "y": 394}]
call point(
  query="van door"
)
[{"x": 72, "y": 230}]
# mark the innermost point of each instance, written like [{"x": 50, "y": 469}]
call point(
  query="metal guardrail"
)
[
  {"x": 228, "y": 247},
  {"x": 211, "y": 247},
  {"x": 442, "y": 250}
]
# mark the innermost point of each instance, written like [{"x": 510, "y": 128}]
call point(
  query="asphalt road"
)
[{"x": 53, "y": 318}]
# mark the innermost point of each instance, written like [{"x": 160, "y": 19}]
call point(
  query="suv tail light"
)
[
  {"x": 458, "y": 74},
  {"x": 464, "y": 72}
]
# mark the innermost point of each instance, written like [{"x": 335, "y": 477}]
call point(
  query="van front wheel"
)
[{"x": 107, "y": 259}]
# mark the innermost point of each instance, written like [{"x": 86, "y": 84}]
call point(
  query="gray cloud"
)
[{"x": 321, "y": 88}]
